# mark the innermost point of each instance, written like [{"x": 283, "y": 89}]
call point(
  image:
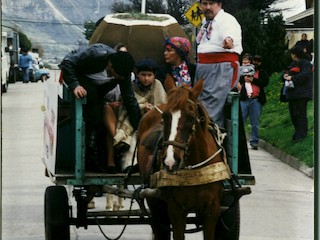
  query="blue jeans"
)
[
  {"x": 252, "y": 108},
  {"x": 25, "y": 72}
]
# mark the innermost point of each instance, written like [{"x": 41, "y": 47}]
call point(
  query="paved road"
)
[{"x": 279, "y": 208}]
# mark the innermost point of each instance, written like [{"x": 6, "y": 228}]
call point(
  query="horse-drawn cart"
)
[
  {"x": 68, "y": 169},
  {"x": 65, "y": 164}
]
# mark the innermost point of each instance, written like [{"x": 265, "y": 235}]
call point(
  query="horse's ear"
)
[
  {"x": 197, "y": 89},
  {"x": 169, "y": 83}
]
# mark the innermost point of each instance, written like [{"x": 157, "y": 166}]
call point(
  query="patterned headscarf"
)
[{"x": 180, "y": 44}]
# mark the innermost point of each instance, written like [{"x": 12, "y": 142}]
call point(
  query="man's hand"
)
[
  {"x": 228, "y": 43},
  {"x": 79, "y": 92}
]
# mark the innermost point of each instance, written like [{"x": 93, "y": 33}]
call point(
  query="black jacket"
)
[
  {"x": 93, "y": 59},
  {"x": 261, "y": 82},
  {"x": 87, "y": 60},
  {"x": 302, "y": 80}
]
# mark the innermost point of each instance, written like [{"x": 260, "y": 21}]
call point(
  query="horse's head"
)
[{"x": 181, "y": 118}]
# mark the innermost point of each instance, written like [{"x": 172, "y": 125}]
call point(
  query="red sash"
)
[{"x": 209, "y": 58}]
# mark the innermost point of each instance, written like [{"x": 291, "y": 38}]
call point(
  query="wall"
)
[{"x": 295, "y": 35}]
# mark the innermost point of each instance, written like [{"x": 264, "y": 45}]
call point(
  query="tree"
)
[
  {"x": 24, "y": 41},
  {"x": 155, "y": 6},
  {"x": 264, "y": 36},
  {"x": 89, "y": 27},
  {"x": 252, "y": 32},
  {"x": 274, "y": 45},
  {"x": 175, "y": 8},
  {"x": 40, "y": 49}
]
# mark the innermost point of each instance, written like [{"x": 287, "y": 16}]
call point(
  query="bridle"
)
[{"x": 185, "y": 146}]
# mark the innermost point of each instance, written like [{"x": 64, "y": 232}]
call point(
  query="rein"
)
[
  {"x": 190, "y": 167},
  {"x": 184, "y": 146}
]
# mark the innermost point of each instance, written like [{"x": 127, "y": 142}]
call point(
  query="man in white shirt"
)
[{"x": 219, "y": 47}]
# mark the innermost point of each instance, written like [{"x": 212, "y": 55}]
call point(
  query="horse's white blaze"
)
[{"x": 169, "y": 160}]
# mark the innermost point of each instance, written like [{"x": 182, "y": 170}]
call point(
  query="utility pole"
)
[
  {"x": 98, "y": 9},
  {"x": 143, "y": 6}
]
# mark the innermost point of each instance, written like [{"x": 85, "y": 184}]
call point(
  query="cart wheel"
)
[
  {"x": 228, "y": 226},
  {"x": 56, "y": 213}
]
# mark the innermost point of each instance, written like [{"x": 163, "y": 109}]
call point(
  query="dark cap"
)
[
  {"x": 146, "y": 64},
  {"x": 122, "y": 63},
  {"x": 24, "y": 49}
]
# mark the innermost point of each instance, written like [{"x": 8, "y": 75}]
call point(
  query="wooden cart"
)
[{"x": 66, "y": 167}]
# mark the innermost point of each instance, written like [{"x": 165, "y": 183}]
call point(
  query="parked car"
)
[
  {"x": 40, "y": 74},
  {"x": 36, "y": 73}
]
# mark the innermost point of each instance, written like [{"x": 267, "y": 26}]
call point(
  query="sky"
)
[{"x": 296, "y": 6}]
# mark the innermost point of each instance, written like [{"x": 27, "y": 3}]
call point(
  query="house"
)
[{"x": 300, "y": 23}]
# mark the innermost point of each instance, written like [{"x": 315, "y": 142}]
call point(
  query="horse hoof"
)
[{"x": 108, "y": 208}]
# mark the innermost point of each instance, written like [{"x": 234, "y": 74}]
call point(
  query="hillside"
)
[{"x": 55, "y": 25}]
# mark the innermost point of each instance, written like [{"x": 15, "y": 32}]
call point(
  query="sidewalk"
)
[{"x": 288, "y": 159}]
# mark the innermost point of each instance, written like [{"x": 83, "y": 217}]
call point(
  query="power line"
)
[
  {"x": 41, "y": 22},
  {"x": 51, "y": 43}
]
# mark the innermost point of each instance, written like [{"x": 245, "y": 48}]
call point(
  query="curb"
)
[{"x": 286, "y": 158}]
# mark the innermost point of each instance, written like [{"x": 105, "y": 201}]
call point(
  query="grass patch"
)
[
  {"x": 140, "y": 16},
  {"x": 276, "y": 127}
]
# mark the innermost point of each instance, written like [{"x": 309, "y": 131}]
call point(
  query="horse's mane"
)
[{"x": 177, "y": 97}]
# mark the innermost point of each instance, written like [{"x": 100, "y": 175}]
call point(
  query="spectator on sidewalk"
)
[
  {"x": 300, "y": 73},
  {"x": 251, "y": 102},
  {"x": 25, "y": 61},
  {"x": 305, "y": 44}
]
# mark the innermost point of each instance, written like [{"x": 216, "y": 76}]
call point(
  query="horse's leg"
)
[
  {"x": 179, "y": 220},
  {"x": 160, "y": 221},
  {"x": 210, "y": 219},
  {"x": 109, "y": 200},
  {"x": 118, "y": 201}
]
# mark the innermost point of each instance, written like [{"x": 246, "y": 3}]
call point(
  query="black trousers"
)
[
  {"x": 298, "y": 114},
  {"x": 93, "y": 109}
]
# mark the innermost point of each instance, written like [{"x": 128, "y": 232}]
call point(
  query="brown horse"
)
[{"x": 180, "y": 164}]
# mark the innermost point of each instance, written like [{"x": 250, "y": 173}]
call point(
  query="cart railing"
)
[{"x": 81, "y": 177}]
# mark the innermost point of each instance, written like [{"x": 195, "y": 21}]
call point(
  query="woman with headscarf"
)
[{"x": 177, "y": 62}]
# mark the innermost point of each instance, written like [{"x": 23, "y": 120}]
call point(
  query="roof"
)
[{"x": 301, "y": 20}]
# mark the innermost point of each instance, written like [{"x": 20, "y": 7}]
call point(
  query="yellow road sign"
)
[{"x": 194, "y": 14}]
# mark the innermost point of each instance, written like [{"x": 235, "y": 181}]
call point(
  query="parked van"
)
[{"x": 5, "y": 63}]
